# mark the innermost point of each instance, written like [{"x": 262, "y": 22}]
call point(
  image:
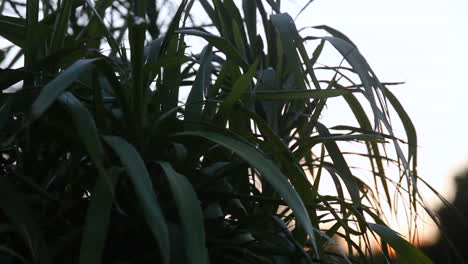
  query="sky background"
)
[{"x": 425, "y": 45}]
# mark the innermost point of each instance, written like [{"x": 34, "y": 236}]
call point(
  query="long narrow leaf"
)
[
  {"x": 85, "y": 127},
  {"x": 139, "y": 176},
  {"x": 286, "y": 28},
  {"x": 193, "y": 110},
  {"x": 97, "y": 219},
  {"x": 63, "y": 81},
  {"x": 190, "y": 214},
  {"x": 341, "y": 165},
  {"x": 267, "y": 169},
  {"x": 220, "y": 43},
  {"x": 407, "y": 253},
  {"x": 299, "y": 95},
  {"x": 61, "y": 25},
  {"x": 239, "y": 88},
  {"x": 31, "y": 49}
]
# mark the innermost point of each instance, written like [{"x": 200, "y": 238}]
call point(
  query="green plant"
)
[{"x": 101, "y": 162}]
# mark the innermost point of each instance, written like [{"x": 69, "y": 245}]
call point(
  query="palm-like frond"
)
[{"x": 234, "y": 171}]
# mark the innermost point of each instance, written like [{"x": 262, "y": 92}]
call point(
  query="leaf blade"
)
[
  {"x": 59, "y": 84},
  {"x": 139, "y": 176},
  {"x": 190, "y": 213},
  {"x": 404, "y": 249},
  {"x": 268, "y": 170}
]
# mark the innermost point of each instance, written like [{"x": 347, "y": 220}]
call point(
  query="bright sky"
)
[{"x": 425, "y": 44}]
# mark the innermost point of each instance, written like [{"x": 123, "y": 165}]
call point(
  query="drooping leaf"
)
[
  {"x": 190, "y": 214},
  {"x": 266, "y": 168},
  {"x": 341, "y": 165},
  {"x": 59, "y": 84},
  {"x": 193, "y": 109},
  {"x": 85, "y": 127},
  {"x": 98, "y": 218},
  {"x": 286, "y": 28},
  {"x": 144, "y": 191},
  {"x": 220, "y": 43},
  {"x": 364, "y": 122},
  {"x": 298, "y": 95},
  {"x": 407, "y": 253}
]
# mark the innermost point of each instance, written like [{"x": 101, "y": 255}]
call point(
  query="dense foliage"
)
[{"x": 105, "y": 158}]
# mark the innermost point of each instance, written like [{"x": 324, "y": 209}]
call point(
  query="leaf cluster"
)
[{"x": 104, "y": 158}]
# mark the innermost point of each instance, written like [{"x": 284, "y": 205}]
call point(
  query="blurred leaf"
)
[
  {"x": 409, "y": 128},
  {"x": 407, "y": 253}
]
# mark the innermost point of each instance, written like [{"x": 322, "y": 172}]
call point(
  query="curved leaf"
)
[
  {"x": 340, "y": 164},
  {"x": 267, "y": 169},
  {"x": 97, "y": 220},
  {"x": 286, "y": 28},
  {"x": 190, "y": 213},
  {"x": 13, "y": 29},
  {"x": 298, "y": 95},
  {"x": 59, "y": 84},
  {"x": 407, "y": 253},
  {"x": 239, "y": 88},
  {"x": 139, "y": 176},
  {"x": 85, "y": 127},
  {"x": 193, "y": 108},
  {"x": 220, "y": 43}
]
